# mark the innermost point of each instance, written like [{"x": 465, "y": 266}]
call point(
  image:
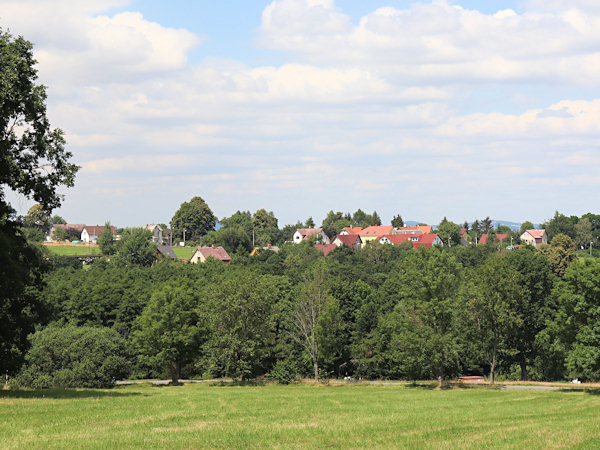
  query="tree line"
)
[{"x": 383, "y": 312}]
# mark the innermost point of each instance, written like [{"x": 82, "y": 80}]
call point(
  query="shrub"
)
[
  {"x": 74, "y": 357},
  {"x": 284, "y": 372}
]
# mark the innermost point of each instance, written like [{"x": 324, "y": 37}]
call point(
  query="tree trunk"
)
[
  {"x": 492, "y": 368},
  {"x": 440, "y": 374},
  {"x": 523, "y": 365},
  {"x": 316, "y": 367},
  {"x": 175, "y": 371}
]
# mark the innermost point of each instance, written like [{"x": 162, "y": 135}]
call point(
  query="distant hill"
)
[{"x": 515, "y": 226}]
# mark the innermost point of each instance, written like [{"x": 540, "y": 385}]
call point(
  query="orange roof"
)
[
  {"x": 376, "y": 231},
  {"x": 307, "y": 232}
]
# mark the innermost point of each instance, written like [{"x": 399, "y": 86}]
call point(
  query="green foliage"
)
[
  {"x": 195, "y": 217},
  {"x": 37, "y": 217},
  {"x": 397, "y": 221},
  {"x": 169, "y": 330},
  {"x": 136, "y": 248},
  {"x": 526, "y": 226},
  {"x": 449, "y": 232},
  {"x": 241, "y": 323},
  {"x": 60, "y": 234},
  {"x": 560, "y": 224},
  {"x": 560, "y": 253},
  {"x": 285, "y": 371},
  {"x": 106, "y": 241},
  {"x": 70, "y": 356}
]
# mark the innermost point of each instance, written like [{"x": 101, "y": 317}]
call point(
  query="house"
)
[
  {"x": 73, "y": 227},
  {"x": 325, "y": 248},
  {"x": 417, "y": 229},
  {"x": 417, "y": 240},
  {"x": 534, "y": 237},
  {"x": 374, "y": 232},
  {"x": 350, "y": 230},
  {"x": 157, "y": 233},
  {"x": 257, "y": 250},
  {"x": 498, "y": 238},
  {"x": 351, "y": 240},
  {"x": 166, "y": 251},
  {"x": 305, "y": 234},
  {"x": 203, "y": 253},
  {"x": 91, "y": 233}
]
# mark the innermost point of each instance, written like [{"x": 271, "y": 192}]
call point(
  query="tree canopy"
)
[{"x": 195, "y": 217}]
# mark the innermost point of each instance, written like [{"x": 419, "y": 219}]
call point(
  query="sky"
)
[{"x": 456, "y": 108}]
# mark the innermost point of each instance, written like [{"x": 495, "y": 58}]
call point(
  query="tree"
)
[
  {"x": 169, "y": 329},
  {"x": 560, "y": 253},
  {"x": 428, "y": 330},
  {"x": 449, "y": 232},
  {"x": 106, "y": 241},
  {"x": 263, "y": 220},
  {"x": 37, "y": 217},
  {"x": 195, "y": 217},
  {"x": 241, "y": 323},
  {"x": 397, "y": 221},
  {"x": 526, "y": 226},
  {"x": 490, "y": 296},
  {"x": 334, "y": 222},
  {"x": 310, "y": 223},
  {"x": 583, "y": 232},
  {"x": 136, "y": 248},
  {"x": 56, "y": 220},
  {"x": 306, "y": 315},
  {"x": 560, "y": 224},
  {"x": 486, "y": 225},
  {"x": 75, "y": 357},
  {"x": 33, "y": 163}
]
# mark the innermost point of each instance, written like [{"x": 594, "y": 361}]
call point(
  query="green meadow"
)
[
  {"x": 70, "y": 250},
  {"x": 183, "y": 252},
  {"x": 298, "y": 416}
]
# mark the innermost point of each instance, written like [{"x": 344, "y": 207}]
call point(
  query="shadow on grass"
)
[
  {"x": 589, "y": 391},
  {"x": 64, "y": 393},
  {"x": 235, "y": 383},
  {"x": 447, "y": 385}
]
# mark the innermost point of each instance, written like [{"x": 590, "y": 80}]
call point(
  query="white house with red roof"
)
[
  {"x": 350, "y": 230},
  {"x": 534, "y": 237},
  {"x": 306, "y": 234},
  {"x": 91, "y": 233},
  {"x": 417, "y": 229},
  {"x": 351, "y": 240},
  {"x": 374, "y": 232}
]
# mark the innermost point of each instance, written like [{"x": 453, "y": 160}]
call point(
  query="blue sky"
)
[{"x": 426, "y": 109}]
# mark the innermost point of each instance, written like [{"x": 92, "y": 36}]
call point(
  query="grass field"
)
[
  {"x": 204, "y": 415},
  {"x": 66, "y": 250},
  {"x": 183, "y": 252}
]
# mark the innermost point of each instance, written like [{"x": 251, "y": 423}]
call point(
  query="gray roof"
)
[{"x": 166, "y": 251}]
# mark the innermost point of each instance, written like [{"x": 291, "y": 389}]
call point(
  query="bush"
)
[
  {"x": 284, "y": 372},
  {"x": 74, "y": 357}
]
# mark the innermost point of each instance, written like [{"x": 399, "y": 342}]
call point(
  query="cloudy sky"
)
[{"x": 456, "y": 108}]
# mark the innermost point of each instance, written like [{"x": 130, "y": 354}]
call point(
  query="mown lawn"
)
[
  {"x": 183, "y": 252},
  {"x": 203, "y": 415},
  {"x": 69, "y": 250}
]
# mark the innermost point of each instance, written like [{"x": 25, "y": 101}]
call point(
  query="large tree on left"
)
[{"x": 33, "y": 163}]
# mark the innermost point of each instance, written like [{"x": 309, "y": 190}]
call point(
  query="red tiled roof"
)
[
  {"x": 426, "y": 240},
  {"x": 95, "y": 230},
  {"x": 325, "y": 248},
  {"x": 216, "y": 252},
  {"x": 376, "y": 231},
  {"x": 307, "y": 232},
  {"x": 537, "y": 234},
  {"x": 347, "y": 239},
  {"x": 499, "y": 237}
]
